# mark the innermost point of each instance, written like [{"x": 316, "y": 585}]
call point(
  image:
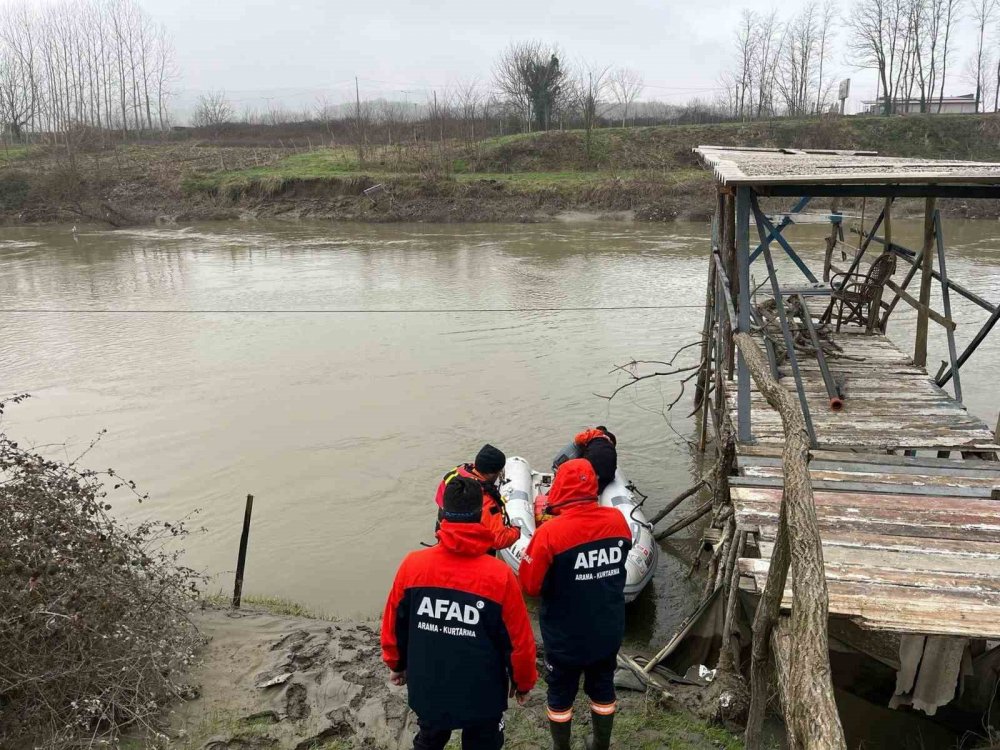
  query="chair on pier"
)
[{"x": 858, "y": 297}]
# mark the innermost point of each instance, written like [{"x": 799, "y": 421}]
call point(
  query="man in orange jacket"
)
[
  {"x": 486, "y": 470},
  {"x": 456, "y": 631},
  {"x": 576, "y": 561}
]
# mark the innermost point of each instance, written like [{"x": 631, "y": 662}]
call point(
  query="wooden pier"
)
[{"x": 897, "y": 497}]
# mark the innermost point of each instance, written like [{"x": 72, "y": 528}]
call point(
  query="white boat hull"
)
[{"x": 522, "y": 485}]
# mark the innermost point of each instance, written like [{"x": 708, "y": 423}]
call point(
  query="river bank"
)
[
  {"x": 271, "y": 680},
  {"x": 641, "y": 174}
]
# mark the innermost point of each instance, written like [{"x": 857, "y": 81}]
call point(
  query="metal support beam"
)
[
  {"x": 946, "y": 301},
  {"x": 832, "y": 388},
  {"x": 926, "y": 262},
  {"x": 779, "y": 305},
  {"x": 773, "y": 232},
  {"x": 743, "y": 194},
  {"x": 785, "y": 222},
  {"x": 820, "y": 190},
  {"x": 971, "y": 348},
  {"x": 912, "y": 258}
]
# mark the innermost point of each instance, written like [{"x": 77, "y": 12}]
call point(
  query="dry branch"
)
[{"x": 810, "y": 709}]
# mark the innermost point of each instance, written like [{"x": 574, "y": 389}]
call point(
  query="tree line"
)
[
  {"x": 782, "y": 66},
  {"x": 103, "y": 64}
]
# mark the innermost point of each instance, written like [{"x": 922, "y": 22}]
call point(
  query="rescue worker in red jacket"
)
[
  {"x": 599, "y": 446},
  {"x": 486, "y": 470},
  {"x": 456, "y": 631},
  {"x": 576, "y": 562}
]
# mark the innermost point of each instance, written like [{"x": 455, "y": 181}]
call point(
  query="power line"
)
[{"x": 358, "y": 311}]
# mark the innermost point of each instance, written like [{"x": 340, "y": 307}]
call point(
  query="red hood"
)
[
  {"x": 575, "y": 480},
  {"x": 468, "y": 539}
]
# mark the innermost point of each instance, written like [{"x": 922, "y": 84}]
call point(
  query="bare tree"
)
[
  {"x": 531, "y": 75},
  {"x": 827, "y": 19},
  {"x": 875, "y": 40},
  {"x": 982, "y": 13},
  {"x": 20, "y": 87},
  {"x": 771, "y": 35},
  {"x": 797, "y": 57},
  {"x": 212, "y": 110},
  {"x": 589, "y": 90},
  {"x": 746, "y": 49},
  {"x": 947, "y": 12},
  {"x": 626, "y": 85},
  {"x": 469, "y": 99}
]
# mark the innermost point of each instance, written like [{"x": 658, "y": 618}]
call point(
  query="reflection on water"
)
[{"x": 224, "y": 372}]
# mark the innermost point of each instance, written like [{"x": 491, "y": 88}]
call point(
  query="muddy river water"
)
[{"x": 337, "y": 371}]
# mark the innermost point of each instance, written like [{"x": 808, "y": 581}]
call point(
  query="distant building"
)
[{"x": 950, "y": 105}]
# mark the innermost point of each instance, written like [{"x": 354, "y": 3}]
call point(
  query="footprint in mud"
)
[{"x": 296, "y": 702}]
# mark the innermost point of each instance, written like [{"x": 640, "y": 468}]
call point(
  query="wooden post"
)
[
  {"x": 831, "y": 243},
  {"x": 241, "y": 560},
  {"x": 927, "y": 260},
  {"x": 875, "y": 312}
]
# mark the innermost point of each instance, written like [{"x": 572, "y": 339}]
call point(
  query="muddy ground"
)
[{"x": 291, "y": 683}]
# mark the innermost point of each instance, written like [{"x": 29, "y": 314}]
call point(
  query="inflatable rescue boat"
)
[{"x": 521, "y": 486}]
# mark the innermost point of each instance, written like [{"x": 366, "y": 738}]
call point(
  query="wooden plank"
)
[
  {"x": 854, "y": 463},
  {"x": 987, "y": 565},
  {"x": 934, "y": 315},
  {"x": 753, "y": 517},
  {"x": 920, "y": 483},
  {"x": 987, "y": 586},
  {"x": 882, "y": 459},
  {"x": 969, "y": 549},
  {"x": 862, "y": 501},
  {"x": 912, "y": 609},
  {"x": 875, "y": 487}
]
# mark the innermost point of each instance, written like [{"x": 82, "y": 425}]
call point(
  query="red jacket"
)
[
  {"x": 456, "y": 622},
  {"x": 494, "y": 517},
  {"x": 576, "y": 561}
]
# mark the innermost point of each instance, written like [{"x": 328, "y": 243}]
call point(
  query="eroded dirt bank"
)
[{"x": 270, "y": 681}]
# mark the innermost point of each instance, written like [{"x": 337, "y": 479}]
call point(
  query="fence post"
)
[{"x": 241, "y": 561}]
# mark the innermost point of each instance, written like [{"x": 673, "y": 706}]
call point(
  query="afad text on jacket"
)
[
  {"x": 576, "y": 562},
  {"x": 456, "y": 623}
]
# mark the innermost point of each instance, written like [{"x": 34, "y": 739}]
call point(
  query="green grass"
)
[
  {"x": 274, "y": 605},
  {"x": 639, "y": 725},
  {"x": 12, "y": 153}
]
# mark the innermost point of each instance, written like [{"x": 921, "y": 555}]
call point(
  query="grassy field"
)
[{"x": 648, "y": 173}]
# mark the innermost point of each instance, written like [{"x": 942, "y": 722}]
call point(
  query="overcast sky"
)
[{"x": 298, "y": 51}]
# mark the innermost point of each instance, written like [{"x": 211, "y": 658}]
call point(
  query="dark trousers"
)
[
  {"x": 485, "y": 736},
  {"x": 564, "y": 682}
]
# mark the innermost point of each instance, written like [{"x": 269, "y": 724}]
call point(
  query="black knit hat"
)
[
  {"x": 490, "y": 460},
  {"x": 463, "y": 501}
]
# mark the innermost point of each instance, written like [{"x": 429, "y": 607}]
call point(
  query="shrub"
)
[
  {"x": 14, "y": 189},
  {"x": 93, "y": 625}
]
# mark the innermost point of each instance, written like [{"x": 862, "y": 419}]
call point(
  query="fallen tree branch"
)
[{"x": 810, "y": 710}]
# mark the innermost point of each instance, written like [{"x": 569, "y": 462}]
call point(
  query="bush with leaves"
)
[{"x": 94, "y": 633}]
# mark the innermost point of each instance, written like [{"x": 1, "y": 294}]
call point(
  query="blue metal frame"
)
[
  {"x": 802, "y": 203},
  {"x": 774, "y": 233},
  {"x": 946, "y": 300},
  {"x": 779, "y": 305},
  {"x": 744, "y": 431}
]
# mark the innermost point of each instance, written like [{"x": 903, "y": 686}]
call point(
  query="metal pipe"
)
[
  {"x": 785, "y": 331},
  {"x": 832, "y": 389},
  {"x": 946, "y": 301}
]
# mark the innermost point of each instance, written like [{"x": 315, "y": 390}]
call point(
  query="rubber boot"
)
[
  {"x": 602, "y": 725},
  {"x": 561, "y": 732}
]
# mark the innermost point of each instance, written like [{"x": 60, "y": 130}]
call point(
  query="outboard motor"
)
[{"x": 571, "y": 451}]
